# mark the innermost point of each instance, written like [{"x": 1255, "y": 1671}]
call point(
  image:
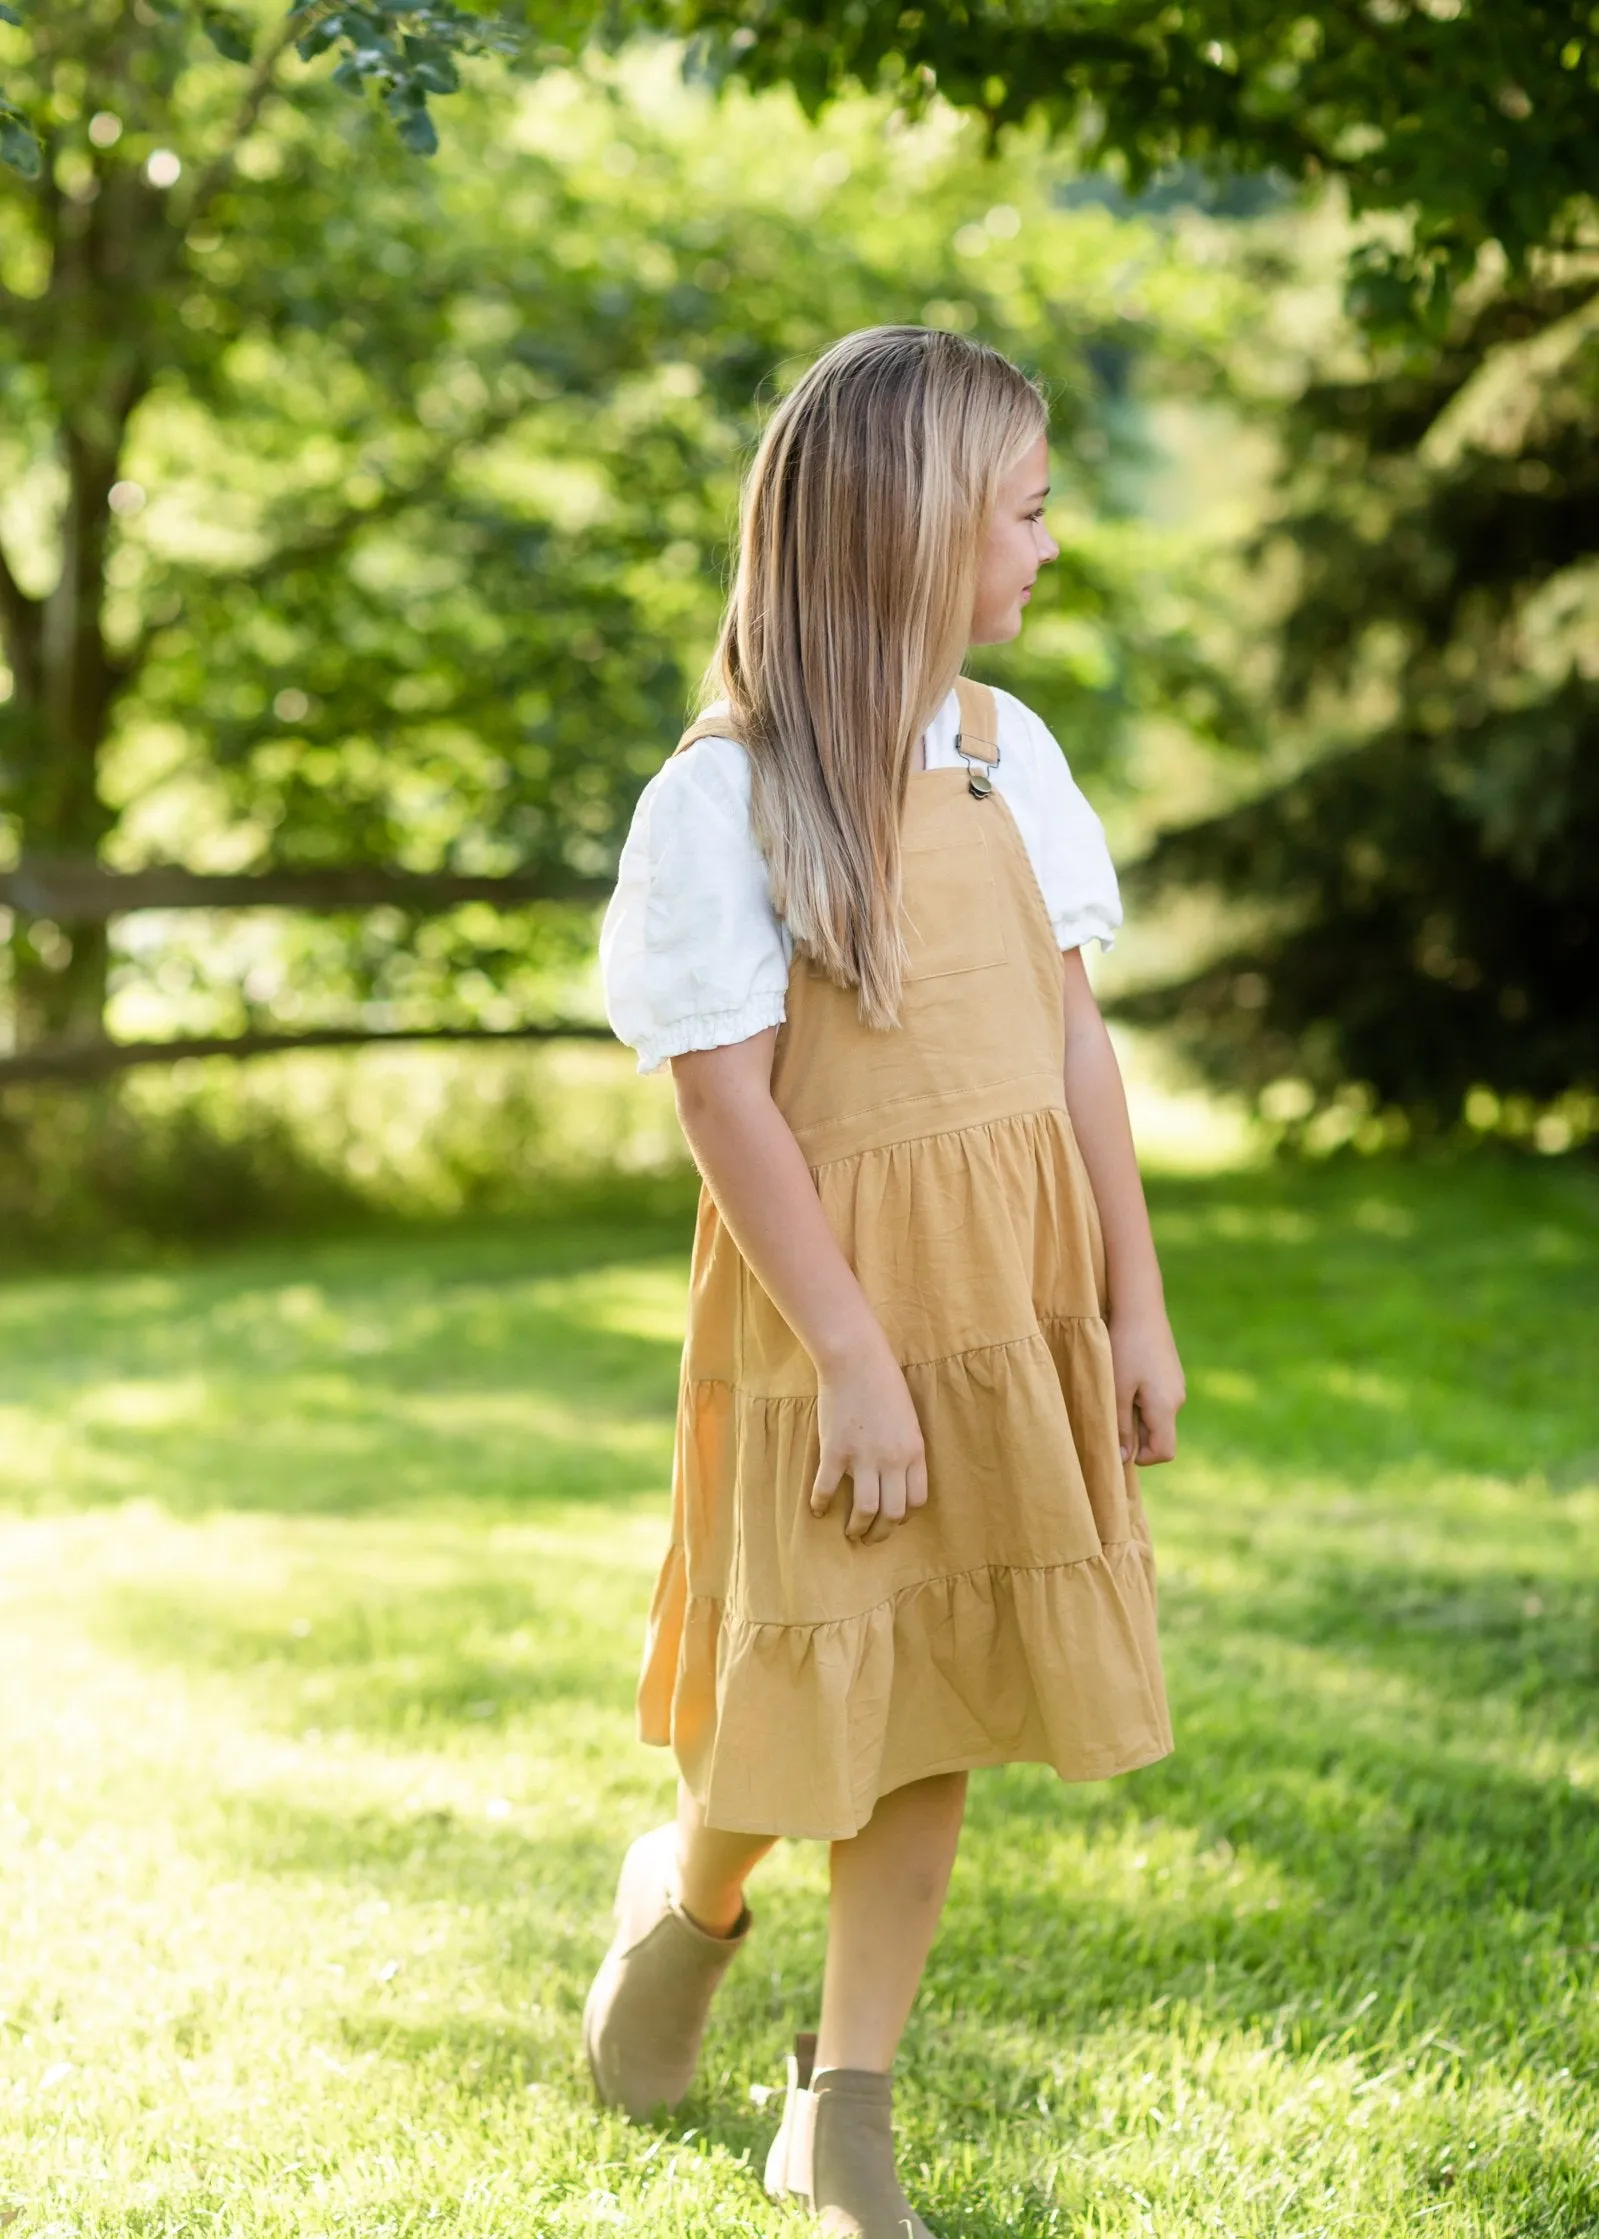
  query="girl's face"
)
[{"x": 1018, "y": 546}]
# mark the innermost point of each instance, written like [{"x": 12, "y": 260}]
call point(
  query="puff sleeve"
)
[
  {"x": 692, "y": 953},
  {"x": 1066, "y": 842}
]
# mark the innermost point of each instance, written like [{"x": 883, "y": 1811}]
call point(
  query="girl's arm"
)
[
  {"x": 1149, "y": 1375},
  {"x": 757, "y": 1174}
]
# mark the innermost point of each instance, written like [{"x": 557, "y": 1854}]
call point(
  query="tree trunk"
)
[{"x": 65, "y": 676}]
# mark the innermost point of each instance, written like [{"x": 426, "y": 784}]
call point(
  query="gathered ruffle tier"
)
[{"x": 799, "y": 1676}]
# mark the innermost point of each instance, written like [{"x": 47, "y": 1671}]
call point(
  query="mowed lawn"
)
[{"x": 323, "y": 1573}]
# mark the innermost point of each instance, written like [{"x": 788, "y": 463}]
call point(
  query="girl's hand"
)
[
  {"x": 869, "y": 1433},
  {"x": 1149, "y": 1385}
]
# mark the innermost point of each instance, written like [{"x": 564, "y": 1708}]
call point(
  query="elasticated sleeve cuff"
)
[
  {"x": 711, "y": 1030},
  {"x": 1074, "y": 929}
]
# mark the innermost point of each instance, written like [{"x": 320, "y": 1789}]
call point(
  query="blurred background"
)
[
  {"x": 366, "y": 517},
  {"x": 375, "y": 384}
]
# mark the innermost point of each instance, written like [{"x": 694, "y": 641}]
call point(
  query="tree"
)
[
  {"x": 1417, "y": 876},
  {"x": 124, "y": 291}
]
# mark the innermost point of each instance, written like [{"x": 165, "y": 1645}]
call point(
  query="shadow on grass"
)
[
  {"x": 400, "y": 1664},
  {"x": 1367, "y": 1836},
  {"x": 1526, "y": 1640},
  {"x": 1356, "y": 1321},
  {"x": 1374, "y": 1315},
  {"x": 528, "y": 1634},
  {"x": 1316, "y": 1857},
  {"x": 1318, "y": 1873},
  {"x": 1295, "y": 1857},
  {"x": 549, "y": 1895},
  {"x": 404, "y": 1635},
  {"x": 510, "y": 1368}
]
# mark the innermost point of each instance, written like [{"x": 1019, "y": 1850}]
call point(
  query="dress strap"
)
[
  {"x": 709, "y": 726},
  {"x": 977, "y": 740}
]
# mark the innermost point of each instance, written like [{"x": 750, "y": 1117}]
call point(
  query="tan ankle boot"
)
[
  {"x": 835, "y": 2151},
  {"x": 646, "y": 2012}
]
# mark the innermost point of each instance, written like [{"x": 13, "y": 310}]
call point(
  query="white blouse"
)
[{"x": 694, "y": 956}]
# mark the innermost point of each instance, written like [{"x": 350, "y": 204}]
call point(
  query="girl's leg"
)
[
  {"x": 712, "y": 1867},
  {"x": 889, "y": 1883},
  {"x": 680, "y": 1920},
  {"x": 835, "y": 2146}
]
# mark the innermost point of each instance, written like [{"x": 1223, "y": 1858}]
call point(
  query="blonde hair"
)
[{"x": 863, "y": 521}]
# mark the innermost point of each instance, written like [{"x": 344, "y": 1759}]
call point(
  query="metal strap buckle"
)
[{"x": 979, "y": 782}]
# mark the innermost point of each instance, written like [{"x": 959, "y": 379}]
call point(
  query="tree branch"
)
[
  {"x": 99, "y": 1061},
  {"x": 77, "y": 892}
]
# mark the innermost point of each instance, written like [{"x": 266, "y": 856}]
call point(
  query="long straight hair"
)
[{"x": 863, "y": 521}]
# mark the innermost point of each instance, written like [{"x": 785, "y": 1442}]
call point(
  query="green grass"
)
[{"x": 322, "y": 1575}]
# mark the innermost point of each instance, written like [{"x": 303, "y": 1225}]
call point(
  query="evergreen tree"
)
[{"x": 1422, "y": 893}]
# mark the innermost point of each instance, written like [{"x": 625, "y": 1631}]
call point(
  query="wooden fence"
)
[{"x": 75, "y": 892}]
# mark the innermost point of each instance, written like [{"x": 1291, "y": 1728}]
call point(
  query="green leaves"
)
[
  {"x": 403, "y": 52},
  {"x": 1477, "y": 123},
  {"x": 431, "y": 65},
  {"x": 19, "y": 147},
  {"x": 408, "y": 107},
  {"x": 476, "y": 433},
  {"x": 228, "y": 32}
]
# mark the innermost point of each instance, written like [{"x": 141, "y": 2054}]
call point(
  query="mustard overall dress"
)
[{"x": 797, "y": 1675}]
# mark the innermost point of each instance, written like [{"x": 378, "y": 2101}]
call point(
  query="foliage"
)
[
  {"x": 400, "y": 51},
  {"x": 291, "y": 434},
  {"x": 323, "y": 350},
  {"x": 325, "y": 1573},
  {"x": 1468, "y": 122},
  {"x": 1475, "y": 125},
  {"x": 370, "y": 511},
  {"x": 317, "y": 1143},
  {"x": 1420, "y": 907}
]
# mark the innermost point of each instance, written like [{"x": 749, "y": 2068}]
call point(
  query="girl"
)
[{"x": 926, "y": 1340}]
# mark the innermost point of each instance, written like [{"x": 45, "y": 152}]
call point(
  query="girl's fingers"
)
[
  {"x": 898, "y": 1493},
  {"x": 1157, "y": 1432},
  {"x": 828, "y": 1479},
  {"x": 891, "y": 1495},
  {"x": 867, "y": 1502},
  {"x": 879, "y": 1498},
  {"x": 1126, "y": 1427}
]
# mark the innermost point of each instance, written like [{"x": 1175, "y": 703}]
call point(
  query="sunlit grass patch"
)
[{"x": 322, "y": 1579}]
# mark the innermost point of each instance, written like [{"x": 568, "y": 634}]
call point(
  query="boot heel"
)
[
  {"x": 834, "y": 2154},
  {"x": 789, "y": 2161}
]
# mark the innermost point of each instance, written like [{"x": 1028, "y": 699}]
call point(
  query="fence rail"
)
[
  {"x": 75, "y": 892},
  {"x": 85, "y": 1062},
  {"x": 79, "y": 892}
]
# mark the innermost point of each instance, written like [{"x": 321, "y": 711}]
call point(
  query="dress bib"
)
[{"x": 798, "y": 1675}]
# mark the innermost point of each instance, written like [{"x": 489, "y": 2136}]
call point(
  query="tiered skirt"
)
[{"x": 799, "y": 1675}]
